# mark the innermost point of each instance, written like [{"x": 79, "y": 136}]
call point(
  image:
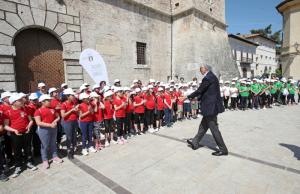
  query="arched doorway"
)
[{"x": 38, "y": 58}]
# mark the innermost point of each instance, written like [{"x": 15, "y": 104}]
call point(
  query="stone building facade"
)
[
  {"x": 290, "y": 52},
  {"x": 176, "y": 36}
]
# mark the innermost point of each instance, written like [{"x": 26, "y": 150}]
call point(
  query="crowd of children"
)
[{"x": 34, "y": 124}]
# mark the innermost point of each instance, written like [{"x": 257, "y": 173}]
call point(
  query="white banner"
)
[{"x": 94, "y": 65}]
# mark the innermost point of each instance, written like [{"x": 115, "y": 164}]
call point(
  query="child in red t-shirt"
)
[
  {"x": 19, "y": 123},
  {"x": 98, "y": 118},
  {"x": 159, "y": 107},
  {"x": 108, "y": 118},
  {"x": 129, "y": 124},
  {"x": 86, "y": 123},
  {"x": 69, "y": 114},
  {"x": 139, "y": 110},
  {"x": 168, "y": 105},
  {"x": 120, "y": 105},
  {"x": 150, "y": 106},
  {"x": 47, "y": 118}
]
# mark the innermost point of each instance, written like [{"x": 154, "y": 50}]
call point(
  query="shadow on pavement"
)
[{"x": 293, "y": 148}]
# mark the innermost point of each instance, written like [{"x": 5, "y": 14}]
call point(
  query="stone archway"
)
[{"x": 38, "y": 58}]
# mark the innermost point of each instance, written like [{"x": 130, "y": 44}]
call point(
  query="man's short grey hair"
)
[{"x": 206, "y": 66}]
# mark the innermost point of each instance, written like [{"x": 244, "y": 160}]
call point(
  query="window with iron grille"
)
[{"x": 141, "y": 53}]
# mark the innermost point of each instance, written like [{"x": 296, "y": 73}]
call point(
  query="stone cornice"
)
[{"x": 163, "y": 16}]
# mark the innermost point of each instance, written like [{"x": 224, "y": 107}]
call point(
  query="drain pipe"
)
[{"x": 171, "y": 39}]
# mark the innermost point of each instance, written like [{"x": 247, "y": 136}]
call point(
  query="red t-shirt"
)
[
  {"x": 98, "y": 116},
  {"x": 160, "y": 102},
  {"x": 47, "y": 115},
  {"x": 18, "y": 119},
  {"x": 121, "y": 113},
  {"x": 30, "y": 109},
  {"x": 139, "y": 109},
  {"x": 55, "y": 103},
  {"x": 83, "y": 107},
  {"x": 129, "y": 107},
  {"x": 150, "y": 101},
  {"x": 4, "y": 108},
  {"x": 108, "y": 110},
  {"x": 67, "y": 106},
  {"x": 2, "y": 122},
  {"x": 168, "y": 100}
]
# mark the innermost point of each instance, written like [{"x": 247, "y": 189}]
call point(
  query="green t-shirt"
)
[
  {"x": 273, "y": 89},
  {"x": 292, "y": 89},
  {"x": 256, "y": 88},
  {"x": 244, "y": 91},
  {"x": 278, "y": 85}
]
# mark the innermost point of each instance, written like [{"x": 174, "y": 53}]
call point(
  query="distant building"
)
[
  {"x": 244, "y": 53},
  {"x": 265, "y": 58},
  {"x": 290, "y": 53}
]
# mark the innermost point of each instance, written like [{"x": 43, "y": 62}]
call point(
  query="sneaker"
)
[
  {"x": 114, "y": 142},
  {"x": 84, "y": 152},
  {"x": 151, "y": 130},
  {"x": 16, "y": 172},
  {"x": 107, "y": 144},
  {"x": 31, "y": 166},
  {"x": 57, "y": 160},
  {"x": 3, "y": 177},
  {"x": 120, "y": 142},
  {"x": 45, "y": 165},
  {"x": 92, "y": 149},
  {"x": 156, "y": 130},
  {"x": 124, "y": 140}
]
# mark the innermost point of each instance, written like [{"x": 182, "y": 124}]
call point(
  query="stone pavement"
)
[{"x": 264, "y": 159}]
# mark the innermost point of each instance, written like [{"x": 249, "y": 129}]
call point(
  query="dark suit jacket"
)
[{"x": 208, "y": 93}]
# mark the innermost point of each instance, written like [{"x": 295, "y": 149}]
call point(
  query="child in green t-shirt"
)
[
  {"x": 244, "y": 93},
  {"x": 291, "y": 96}
]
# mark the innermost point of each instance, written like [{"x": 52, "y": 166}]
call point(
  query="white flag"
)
[{"x": 94, "y": 65}]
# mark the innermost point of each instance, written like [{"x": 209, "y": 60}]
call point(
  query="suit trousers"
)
[{"x": 210, "y": 122}]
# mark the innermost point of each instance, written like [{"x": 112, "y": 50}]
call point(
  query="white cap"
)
[
  {"x": 6, "y": 94},
  {"x": 126, "y": 89},
  {"x": 44, "y": 97},
  {"x": 152, "y": 81},
  {"x": 41, "y": 85},
  {"x": 33, "y": 96},
  {"x": 23, "y": 94},
  {"x": 172, "y": 89},
  {"x": 137, "y": 90},
  {"x": 94, "y": 95},
  {"x": 117, "y": 80},
  {"x": 108, "y": 93},
  {"x": 135, "y": 81},
  {"x": 194, "y": 84},
  {"x": 82, "y": 87},
  {"x": 144, "y": 88},
  {"x": 132, "y": 86},
  {"x": 150, "y": 87},
  {"x": 227, "y": 82},
  {"x": 85, "y": 84},
  {"x": 160, "y": 89},
  {"x": 69, "y": 91},
  {"x": 283, "y": 79},
  {"x": 132, "y": 93},
  {"x": 167, "y": 87},
  {"x": 52, "y": 90},
  {"x": 118, "y": 89},
  {"x": 233, "y": 82},
  {"x": 83, "y": 96},
  {"x": 243, "y": 82},
  {"x": 63, "y": 85},
  {"x": 95, "y": 86},
  {"x": 171, "y": 81},
  {"x": 221, "y": 81},
  {"x": 15, "y": 97},
  {"x": 260, "y": 81},
  {"x": 106, "y": 88}
]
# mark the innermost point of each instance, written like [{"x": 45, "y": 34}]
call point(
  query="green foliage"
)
[{"x": 267, "y": 32}]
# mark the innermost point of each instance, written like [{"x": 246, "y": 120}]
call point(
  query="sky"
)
[{"x": 244, "y": 15}]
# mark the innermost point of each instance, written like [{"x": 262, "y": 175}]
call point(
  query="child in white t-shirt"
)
[{"x": 233, "y": 96}]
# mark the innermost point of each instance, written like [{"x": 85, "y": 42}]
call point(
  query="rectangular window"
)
[{"x": 141, "y": 53}]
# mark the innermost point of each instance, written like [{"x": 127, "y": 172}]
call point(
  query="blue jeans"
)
[
  {"x": 87, "y": 133},
  {"x": 70, "y": 128},
  {"x": 168, "y": 114},
  {"x": 48, "y": 142}
]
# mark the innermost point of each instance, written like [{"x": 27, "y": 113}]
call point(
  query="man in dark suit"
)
[{"x": 211, "y": 105}]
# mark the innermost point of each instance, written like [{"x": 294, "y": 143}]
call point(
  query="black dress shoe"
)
[
  {"x": 219, "y": 153},
  {"x": 190, "y": 142}
]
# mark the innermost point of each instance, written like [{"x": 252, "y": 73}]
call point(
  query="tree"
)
[{"x": 267, "y": 32}]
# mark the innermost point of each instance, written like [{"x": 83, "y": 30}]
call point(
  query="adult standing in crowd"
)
[{"x": 211, "y": 105}]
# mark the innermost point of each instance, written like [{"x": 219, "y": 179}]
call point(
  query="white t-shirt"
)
[
  {"x": 186, "y": 93},
  {"x": 226, "y": 91},
  {"x": 233, "y": 92}
]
